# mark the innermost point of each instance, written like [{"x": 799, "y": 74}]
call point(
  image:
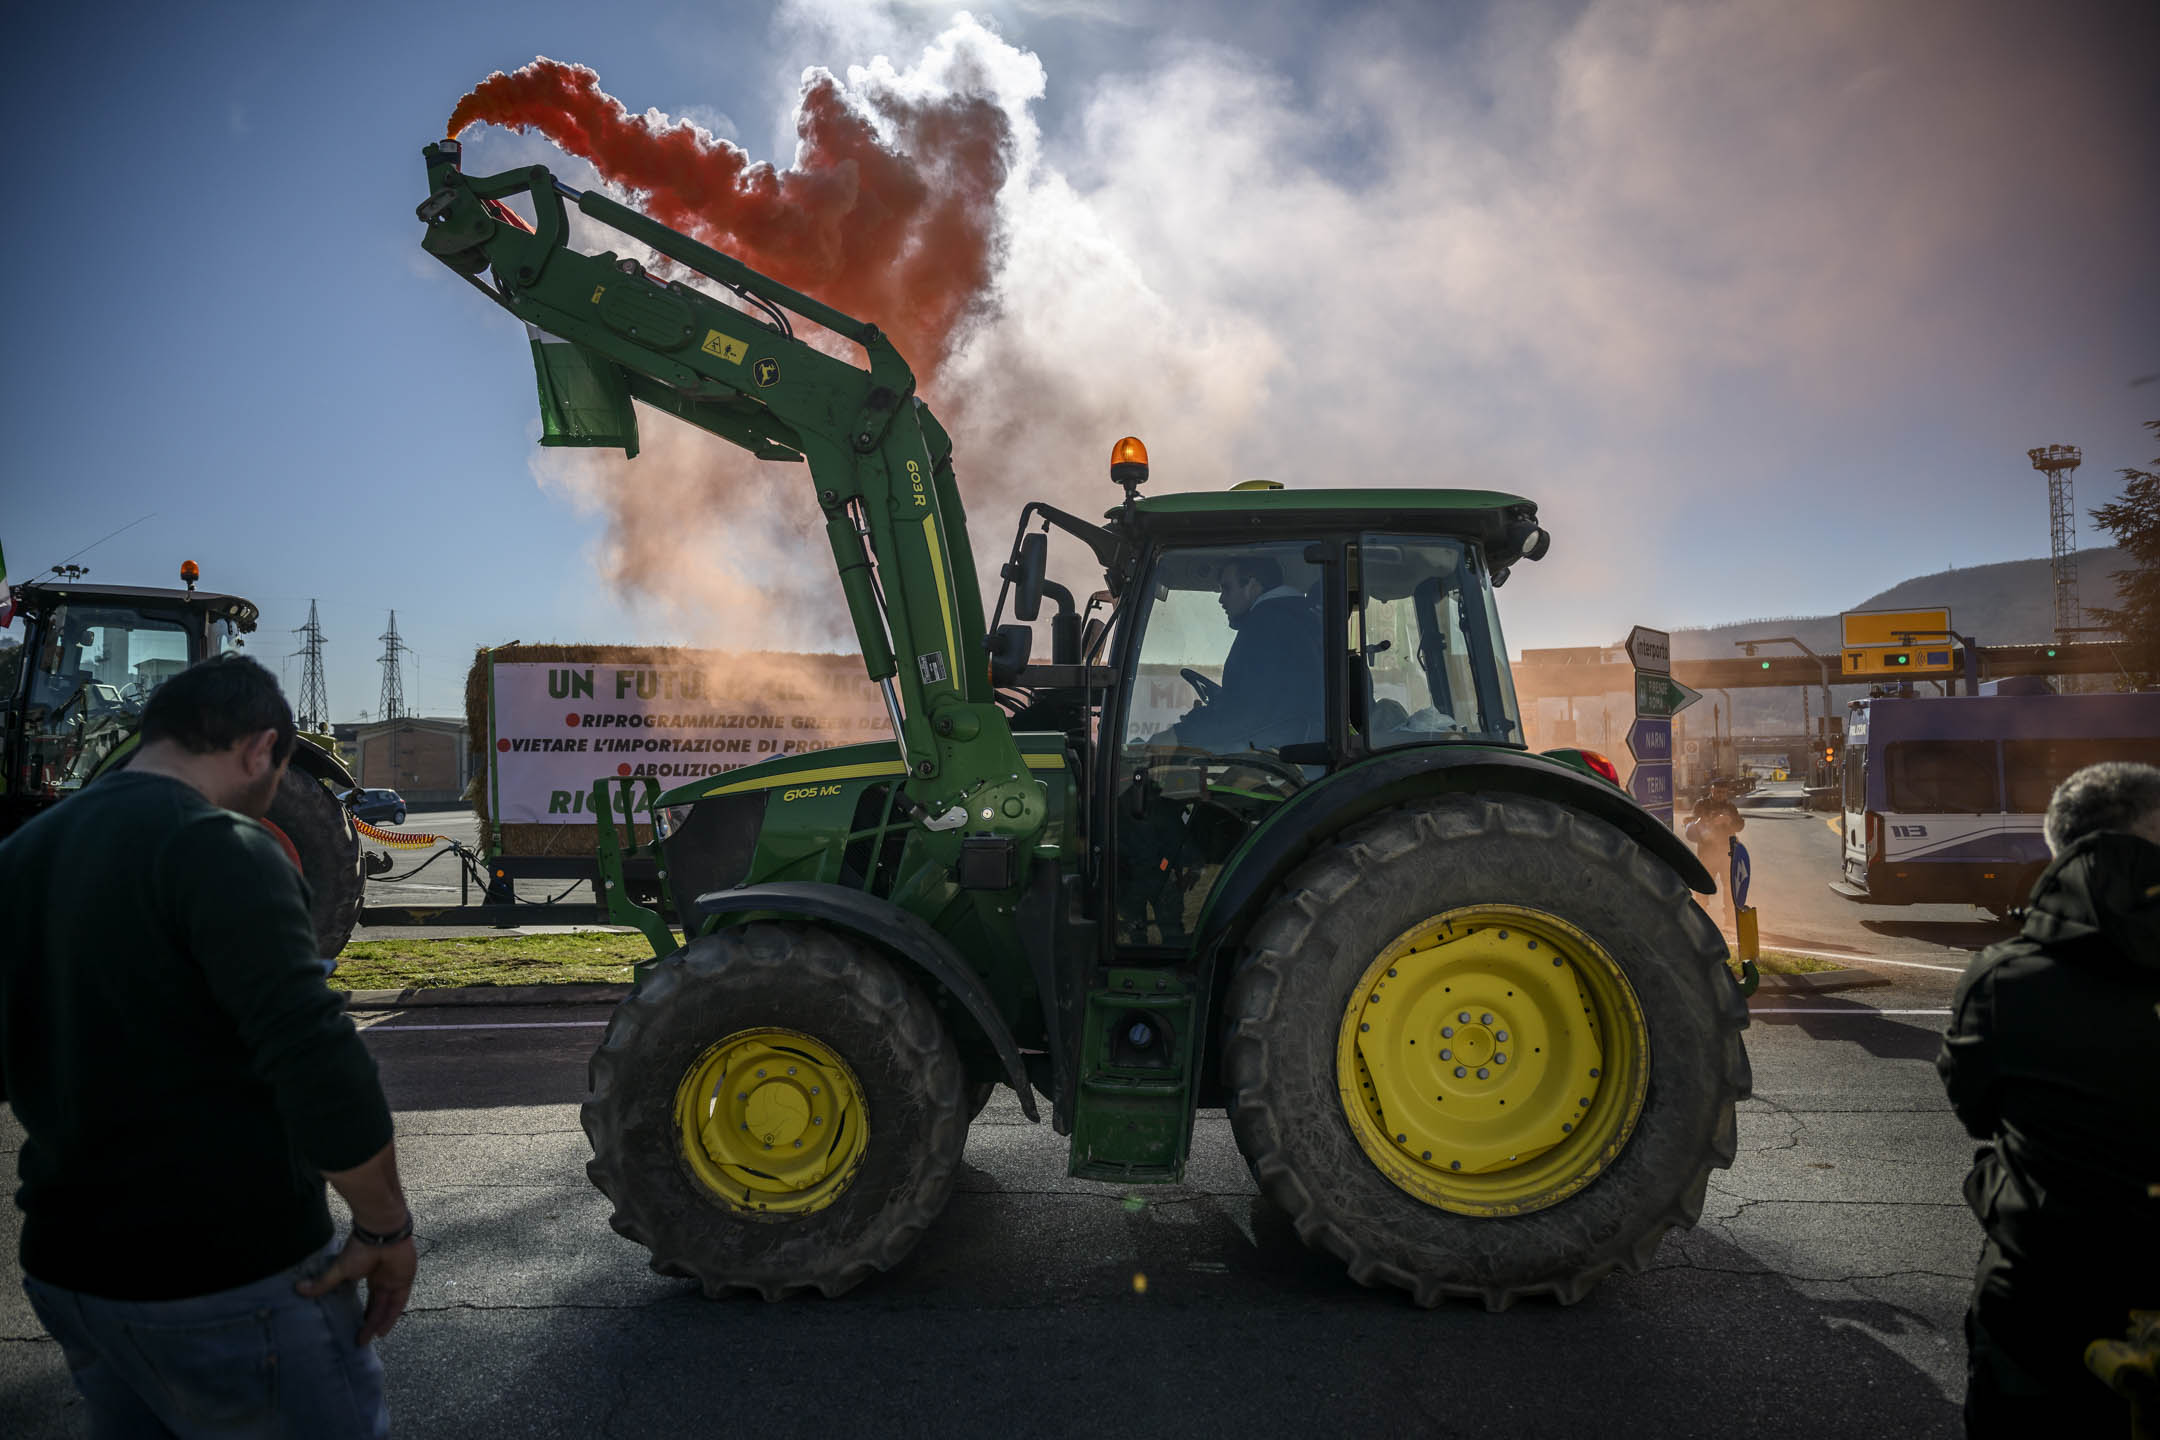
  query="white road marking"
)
[
  {"x": 379, "y": 1026},
  {"x": 1857, "y": 1010}
]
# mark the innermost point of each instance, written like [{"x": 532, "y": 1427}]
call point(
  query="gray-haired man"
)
[{"x": 2053, "y": 1060}]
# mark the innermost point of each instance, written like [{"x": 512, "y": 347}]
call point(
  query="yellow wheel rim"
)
[
  {"x": 1492, "y": 1060},
  {"x": 772, "y": 1122}
]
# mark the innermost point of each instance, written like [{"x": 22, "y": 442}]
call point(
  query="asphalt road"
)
[
  {"x": 1796, "y": 853},
  {"x": 1821, "y": 1293}
]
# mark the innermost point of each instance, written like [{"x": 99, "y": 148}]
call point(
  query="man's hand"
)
[{"x": 388, "y": 1270}]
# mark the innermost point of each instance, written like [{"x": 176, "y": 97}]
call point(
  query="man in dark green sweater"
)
[{"x": 188, "y": 1081}]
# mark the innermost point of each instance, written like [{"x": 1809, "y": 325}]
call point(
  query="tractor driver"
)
[{"x": 1273, "y": 678}]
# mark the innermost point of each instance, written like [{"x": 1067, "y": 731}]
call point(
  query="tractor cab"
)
[
  {"x": 1261, "y": 640},
  {"x": 91, "y": 656}
]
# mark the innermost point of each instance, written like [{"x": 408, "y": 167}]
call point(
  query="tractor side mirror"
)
[
  {"x": 1009, "y": 653},
  {"x": 1027, "y": 572}
]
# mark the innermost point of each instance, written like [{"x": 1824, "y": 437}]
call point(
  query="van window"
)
[
  {"x": 1941, "y": 777},
  {"x": 2033, "y": 768}
]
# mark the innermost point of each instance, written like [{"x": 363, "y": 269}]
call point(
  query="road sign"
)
[
  {"x": 1649, "y": 649},
  {"x": 1742, "y": 871},
  {"x": 1933, "y": 658},
  {"x": 1692, "y": 749},
  {"x": 1650, "y": 738},
  {"x": 1651, "y": 785},
  {"x": 1662, "y": 695},
  {"x": 1882, "y": 629}
]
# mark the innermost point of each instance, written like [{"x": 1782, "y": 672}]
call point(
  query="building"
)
[{"x": 425, "y": 760}]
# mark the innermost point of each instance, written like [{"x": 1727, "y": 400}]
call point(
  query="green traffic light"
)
[
  {"x": 1901, "y": 659},
  {"x": 2051, "y": 653},
  {"x": 1766, "y": 664}
]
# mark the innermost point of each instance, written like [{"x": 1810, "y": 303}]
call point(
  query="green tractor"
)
[
  {"x": 91, "y": 655},
  {"x": 1261, "y": 833}
]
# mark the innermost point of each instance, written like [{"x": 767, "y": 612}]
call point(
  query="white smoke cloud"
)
[{"x": 1641, "y": 260}]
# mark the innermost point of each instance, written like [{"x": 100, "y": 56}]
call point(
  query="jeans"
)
[{"x": 258, "y": 1360}]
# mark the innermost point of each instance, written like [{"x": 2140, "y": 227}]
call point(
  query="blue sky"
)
[{"x": 1764, "y": 310}]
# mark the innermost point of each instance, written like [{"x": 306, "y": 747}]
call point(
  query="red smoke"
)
[{"x": 902, "y": 235}]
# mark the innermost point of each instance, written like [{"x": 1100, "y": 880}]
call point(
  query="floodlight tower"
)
[
  {"x": 2059, "y": 463},
  {"x": 314, "y": 696}
]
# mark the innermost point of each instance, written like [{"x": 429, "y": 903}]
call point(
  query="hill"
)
[{"x": 2008, "y": 603}]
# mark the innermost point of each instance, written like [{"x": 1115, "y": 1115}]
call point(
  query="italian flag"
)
[{"x": 7, "y": 598}]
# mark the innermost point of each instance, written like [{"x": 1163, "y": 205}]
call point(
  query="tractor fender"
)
[
  {"x": 307, "y": 757},
  {"x": 900, "y": 933},
  {"x": 1394, "y": 776},
  {"x": 311, "y": 759}
]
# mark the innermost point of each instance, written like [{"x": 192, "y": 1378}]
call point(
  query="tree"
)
[{"x": 2134, "y": 521}]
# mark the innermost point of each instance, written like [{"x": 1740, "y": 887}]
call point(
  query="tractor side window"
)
[
  {"x": 1228, "y": 676},
  {"x": 1428, "y": 633}
]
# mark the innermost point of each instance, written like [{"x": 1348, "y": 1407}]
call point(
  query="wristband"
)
[{"x": 378, "y": 1237}]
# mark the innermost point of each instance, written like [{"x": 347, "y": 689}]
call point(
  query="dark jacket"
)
[
  {"x": 1273, "y": 682},
  {"x": 167, "y": 1040},
  {"x": 2053, "y": 1060}
]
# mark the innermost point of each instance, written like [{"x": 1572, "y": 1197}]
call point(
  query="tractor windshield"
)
[
  {"x": 1424, "y": 623},
  {"x": 95, "y": 667}
]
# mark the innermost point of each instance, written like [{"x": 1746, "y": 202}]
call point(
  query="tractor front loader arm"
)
[{"x": 606, "y": 332}]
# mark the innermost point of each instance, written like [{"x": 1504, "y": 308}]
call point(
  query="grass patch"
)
[
  {"x": 1780, "y": 962},
  {"x": 582, "y": 959}
]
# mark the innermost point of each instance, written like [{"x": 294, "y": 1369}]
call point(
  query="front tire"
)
[
  {"x": 321, "y": 831},
  {"x": 776, "y": 1108},
  {"x": 1573, "y": 978}
]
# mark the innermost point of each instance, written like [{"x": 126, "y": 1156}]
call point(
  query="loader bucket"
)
[{"x": 584, "y": 397}]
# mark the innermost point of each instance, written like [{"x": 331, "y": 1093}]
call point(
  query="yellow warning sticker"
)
[{"x": 727, "y": 347}]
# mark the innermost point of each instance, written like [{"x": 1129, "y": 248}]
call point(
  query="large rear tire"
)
[
  {"x": 778, "y": 1109},
  {"x": 321, "y": 831},
  {"x": 1485, "y": 1047}
]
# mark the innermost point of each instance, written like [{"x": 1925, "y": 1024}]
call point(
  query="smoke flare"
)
[{"x": 899, "y": 231}]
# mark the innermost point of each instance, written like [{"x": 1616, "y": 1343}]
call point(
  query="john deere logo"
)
[{"x": 767, "y": 371}]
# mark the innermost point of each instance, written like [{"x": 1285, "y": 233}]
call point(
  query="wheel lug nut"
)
[
  {"x": 1464, "y": 1017},
  {"x": 1447, "y": 1032},
  {"x": 742, "y": 1095},
  {"x": 1447, "y": 1054},
  {"x": 1483, "y": 1073},
  {"x": 817, "y": 1119},
  {"x": 791, "y": 1069},
  {"x": 1460, "y": 1072},
  {"x": 1501, "y": 1037},
  {"x": 1500, "y": 1058},
  {"x": 798, "y": 1144},
  {"x": 1485, "y": 1019},
  {"x": 761, "y": 1074}
]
